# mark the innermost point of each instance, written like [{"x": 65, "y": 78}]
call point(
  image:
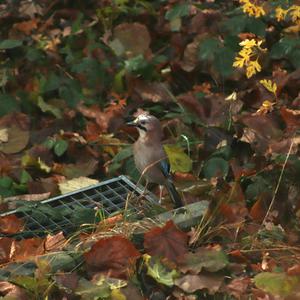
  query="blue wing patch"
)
[{"x": 165, "y": 167}]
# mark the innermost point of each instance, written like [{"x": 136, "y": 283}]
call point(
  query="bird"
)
[{"x": 150, "y": 157}]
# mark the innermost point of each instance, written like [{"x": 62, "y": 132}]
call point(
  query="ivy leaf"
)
[
  {"x": 215, "y": 167},
  {"x": 208, "y": 48},
  {"x": 60, "y": 147},
  {"x": 10, "y": 44},
  {"x": 178, "y": 11}
]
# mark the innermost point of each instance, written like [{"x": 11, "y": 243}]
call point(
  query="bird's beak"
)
[{"x": 132, "y": 124}]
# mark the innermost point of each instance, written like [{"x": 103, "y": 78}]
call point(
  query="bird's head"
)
[{"x": 147, "y": 125}]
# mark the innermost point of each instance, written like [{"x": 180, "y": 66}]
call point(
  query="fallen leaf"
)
[
  {"x": 55, "y": 242},
  {"x": 179, "y": 160},
  {"x": 133, "y": 38},
  {"x": 16, "y": 142},
  {"x": 238, "y": 287},
  {"x": 24, "y": 249},
  {"x": 152, "y": 91},
  {"x": 277, "y": 284},
  {"x": 12, "y": 291},
  {"x": 89, "y": 290},
  {"x": 68, "y": 281},
  {"x": 5, "y": 248},
  {"x": 193, "y": 283},
  {"x": 211, "y": 260},
  {"x": 294, "y": 270},
  {"x": 112, "y": 256},
  {"x": 77, "y": 183},
  {"x": 167, "y": 241},
  {"x": 10, "y": 224},
  {"x": 27, "y": 26},
  {"x": 291, "y": 118},
  {"x": 160, "y": 272}
]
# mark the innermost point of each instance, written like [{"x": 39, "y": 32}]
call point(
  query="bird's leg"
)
[
  {"x": 145, "y": 188},
  {"x": 161, "y": 187}
]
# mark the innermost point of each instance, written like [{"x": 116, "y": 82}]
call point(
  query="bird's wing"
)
[{"x": 165, "y": 167}]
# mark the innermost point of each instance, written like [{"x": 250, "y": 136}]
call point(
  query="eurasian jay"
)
[{"x": 150, "y": 157}]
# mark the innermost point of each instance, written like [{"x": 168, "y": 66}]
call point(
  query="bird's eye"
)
[{"x": 143, "y": 122}]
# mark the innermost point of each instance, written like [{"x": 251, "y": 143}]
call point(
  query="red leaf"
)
[
  {"x": 113, "y": 256},
  {"x": 291, "y": 117},
  {"x": 24, "y": 249},
  {"x": 5, "y": 247},
  {"x": 10, "y": 224},
  {"x": 258, "y": 210},
  {"x": 168, "y": 241},
  {"x": 294, "y": 270}
]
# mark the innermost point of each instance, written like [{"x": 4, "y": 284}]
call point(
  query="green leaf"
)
[
  {"x": 25, "y": 177},
  {"x": 284, "y": 47},
  {"x": 209, "y": 259},
  {"x": 215, "y": 167},
  {"x": 235, "y": 25},
  {"x": 60, "y": 147},
  {"x": 8, "y": 104},
  {"x": 179, "y": 160},
  {"x": 60, "y": 261},
  {"x": 208, "y": 48},
  {"x": 294, "y": 58},
  {"x": 46, "y": 107},
  {"x": 223, "y": 61},
  {"x": 88, "y": 290},
  {"x": 258, "y": 186},
  {"x": 10, "y": 44},
  {"x": 159, "y": 272},
  {"x": 256, "y": 26},
  {"x": 178, "y": 11},
  {"x": 277, "y": 284},
  {"x": 83, "y": 216}
]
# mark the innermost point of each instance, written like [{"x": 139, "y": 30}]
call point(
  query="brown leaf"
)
[
  {"x": 190, "y": 56},
  {"x": 291, "y": 118},
  {"x": 27, "y": 26},
  {"x": 167, "y": 241},
  {"x": 130, "y": 38},
  {"x": 264, "y": 125},
  {"x": 294, "y": 270},
  {"x": 112, "y": 256},
  {"x": 193, "y": 283},
  {"x": 5, "y": 247},
  {"x": 258, "y": 210},
  {"x": 11, "y": 291},
  {"x": 10, "y": 224},
  {"x": 238, "y": 287},
  {"x": 24, "y": 249},
  {"x": 151, "y": 91},
  {"x": 55, "y": 242},
  {"x": 67, "y": 281},
  {"x": 17, "y": 140}
]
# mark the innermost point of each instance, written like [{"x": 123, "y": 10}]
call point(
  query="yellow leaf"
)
[
  {"x": 117, "y": 295},
  {"x": 179, "y": 161},
  {"x": 269, "y": 85}
]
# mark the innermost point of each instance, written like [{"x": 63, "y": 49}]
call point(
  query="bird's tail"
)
[{"x": 175, "y": 197}]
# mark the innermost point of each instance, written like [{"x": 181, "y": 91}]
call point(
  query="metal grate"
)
[{"x": 59, "y": 213}]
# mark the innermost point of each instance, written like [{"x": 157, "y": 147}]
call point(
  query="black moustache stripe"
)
[{"x": 141, "y": 127}]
